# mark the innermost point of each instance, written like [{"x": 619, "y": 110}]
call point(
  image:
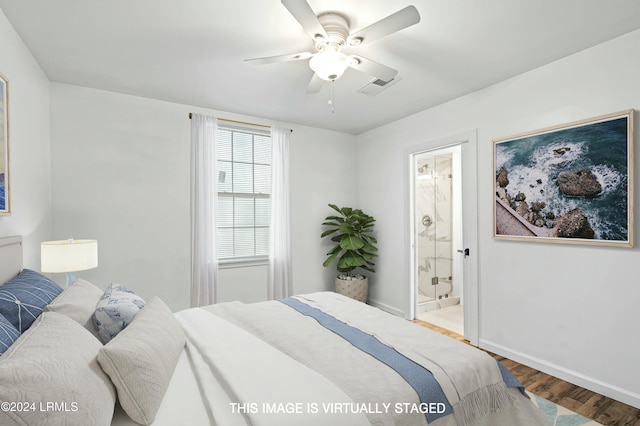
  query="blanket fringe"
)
[{"x": 492, "y": 398}]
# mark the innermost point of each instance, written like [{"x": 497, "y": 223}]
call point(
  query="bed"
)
[{"x": 313, "y": 359}]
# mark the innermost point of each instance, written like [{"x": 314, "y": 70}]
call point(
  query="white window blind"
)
[{"x": 244, "y": 193}]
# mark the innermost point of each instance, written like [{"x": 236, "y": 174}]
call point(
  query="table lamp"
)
[{"x": 68, "y": 256}]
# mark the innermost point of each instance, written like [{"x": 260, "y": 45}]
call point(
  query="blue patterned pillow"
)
[
  {"x": 8, "y": 334},
  {"x": 23, "y": 298},
  {"x": 115, "y": 310}
]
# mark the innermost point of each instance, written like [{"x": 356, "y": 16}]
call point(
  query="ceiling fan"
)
[{"x": 331, "y": 34}]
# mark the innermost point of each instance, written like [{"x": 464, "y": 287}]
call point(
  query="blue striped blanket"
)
[{"x": 421, "y": 379}]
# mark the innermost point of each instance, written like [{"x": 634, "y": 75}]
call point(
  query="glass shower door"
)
[{"x": 434, "y": 228}]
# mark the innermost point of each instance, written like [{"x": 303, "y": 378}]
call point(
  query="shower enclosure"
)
[{"x": 434, "y": 227}]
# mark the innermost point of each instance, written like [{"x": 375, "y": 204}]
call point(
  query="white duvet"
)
[{"x": 267, "y": 364}]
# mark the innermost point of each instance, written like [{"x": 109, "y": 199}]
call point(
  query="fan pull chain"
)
[{"x": 331, "y": 101}]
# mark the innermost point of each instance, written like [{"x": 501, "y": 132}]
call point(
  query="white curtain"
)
[
  {"x": 204, "y": 194},
  {"x": 280, "y": 280}
]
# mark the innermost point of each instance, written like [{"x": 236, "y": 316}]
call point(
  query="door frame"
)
[{"x": 469, "y": 183}]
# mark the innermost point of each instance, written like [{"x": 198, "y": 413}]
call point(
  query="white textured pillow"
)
[
  {"x": 78, "y": 302},
  {"x": 140, "y": 360},
  {"x": 115, "y": 310},
  {"x": 51, "y": 372}
]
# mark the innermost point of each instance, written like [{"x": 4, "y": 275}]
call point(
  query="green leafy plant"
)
[{"x": 355, "y": 246}]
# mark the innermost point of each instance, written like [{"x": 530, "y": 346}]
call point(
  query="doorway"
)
[
  {"x": 443, "y": 217},
  {"x": 438, "y": 231}
]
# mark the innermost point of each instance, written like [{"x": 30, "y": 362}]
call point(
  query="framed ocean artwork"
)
[
  {"x": 571, "y": 183},
  {"x": 4, "y": 146}
]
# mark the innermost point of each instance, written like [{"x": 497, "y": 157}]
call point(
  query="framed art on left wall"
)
[{"x": 4, "y": 146}]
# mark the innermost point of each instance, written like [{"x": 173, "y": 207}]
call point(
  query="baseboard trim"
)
[
  {"x": 611, "y": 391},
  {"x": 386, "y": 308}
]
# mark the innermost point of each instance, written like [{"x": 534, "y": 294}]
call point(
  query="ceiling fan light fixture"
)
[
  {"x": 331, "y": 31},
  {"x": 329, "y": 64}
]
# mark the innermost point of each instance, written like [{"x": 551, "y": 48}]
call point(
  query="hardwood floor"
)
[{"x": 584, "y": 402}]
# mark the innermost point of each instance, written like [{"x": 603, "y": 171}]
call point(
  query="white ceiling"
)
[{"x": 192, "y": 51}]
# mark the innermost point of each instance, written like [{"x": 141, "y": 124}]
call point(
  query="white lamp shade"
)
[
  {"x": 329, "y": 64},
  {"x": 68, "y": 255}
]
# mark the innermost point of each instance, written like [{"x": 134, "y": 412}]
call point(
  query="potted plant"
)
[{"x": 351, "y": 231}]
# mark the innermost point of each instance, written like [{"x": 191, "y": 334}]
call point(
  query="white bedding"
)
[
  {"x": 267, "y": 364},
  {"x": 182, "y": 403},
  {"x": 260, "y": 379}
]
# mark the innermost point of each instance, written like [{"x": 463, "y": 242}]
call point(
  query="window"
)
[{"x": 244, "y": 193}]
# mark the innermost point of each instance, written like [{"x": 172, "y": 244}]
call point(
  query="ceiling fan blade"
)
[
  {"x": 372, "y": 68},
  {"x": 395, "y": 22},
  {"x": 280, "y": 58},
  {"x": 303, "y": 13},
  {"x": 315, "y": 84}
]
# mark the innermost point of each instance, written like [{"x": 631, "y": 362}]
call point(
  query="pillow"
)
[
  {"x": 52, "y": 372},
  {"x": 141, "y": 359},
  {"x": 22, "y": 298},
  {"x": 115, "y": 310},
  {"x": 8, "y": 334},
  {"x": 78, "y": 302}
]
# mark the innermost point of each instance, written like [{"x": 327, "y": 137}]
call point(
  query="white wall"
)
[
  {"x": 121, "y": 175},
  {"x": 29, "y": 152},
  {"x": 569, "y": 310}
]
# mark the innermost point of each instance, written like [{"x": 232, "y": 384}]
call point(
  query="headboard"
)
[{"x": 10, "y": 257}]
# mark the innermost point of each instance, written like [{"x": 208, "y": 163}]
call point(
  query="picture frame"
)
[
  {"x": 571, "y": 183},
  {"x": 4, "y": 147}
]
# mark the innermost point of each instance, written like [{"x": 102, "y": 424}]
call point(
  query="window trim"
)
[{"x": 243, "y": 262}]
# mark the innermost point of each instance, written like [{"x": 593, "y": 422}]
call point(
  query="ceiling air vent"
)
[{"x": 377, "y": 85}]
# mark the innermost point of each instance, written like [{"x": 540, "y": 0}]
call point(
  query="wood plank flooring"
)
[{"x": 584, "y": 402}]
